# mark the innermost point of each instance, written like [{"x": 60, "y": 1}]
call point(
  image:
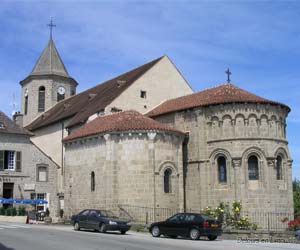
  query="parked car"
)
[
  {"x": 190, "y": 225},
  {"x": 297, "y": 234},
  {"x": 100, "y": 220}
]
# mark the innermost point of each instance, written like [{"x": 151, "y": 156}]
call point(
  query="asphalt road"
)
[{"x": 42, "y": 237}]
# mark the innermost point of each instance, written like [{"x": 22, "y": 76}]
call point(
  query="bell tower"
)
[{"x": 48, "y": 83}]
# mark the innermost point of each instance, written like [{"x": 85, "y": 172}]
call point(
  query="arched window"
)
[
  {"x": 222, "y": 171},
  {"x": 253, "y": 168},
  {"x": 167, "y": 180},
  {"x": 93, "y": 181},
  {"x": 41, "y": 104},
  {"x": 279, "y": 168},
  {"x": 26, "y": 105}
]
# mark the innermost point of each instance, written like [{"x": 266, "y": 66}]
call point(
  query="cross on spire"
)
[
  {"x": 51, "y": 25},
  {"x": 228, "y": 73}
]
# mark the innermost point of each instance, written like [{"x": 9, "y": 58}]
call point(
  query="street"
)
[{"x": 15, "y": 236}]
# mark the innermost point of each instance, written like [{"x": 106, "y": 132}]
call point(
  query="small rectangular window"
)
[
  {"x": 143, "y": 94},
  {"x": 7, "y": 160},
  {"x": 42, "y": 173}
]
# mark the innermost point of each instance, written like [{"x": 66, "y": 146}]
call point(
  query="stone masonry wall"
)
[
  {"x": 128, "y": 170},
  {"x": 31, "y": 156},
  {"x": 51, "y": 85},
  {"x": 162, "y": 82},
  {"x": 236, "y": 131}
]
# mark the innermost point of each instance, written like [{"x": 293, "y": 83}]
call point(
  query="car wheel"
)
[
  {"x": 76, "y": 226},
  {"x": 212, "y": 237},
  {"x": 194, "y": 234},
  {"x": 155, "y": 231},
  {"x": 123, "y": 232},
  {"x": 102, "y": 228}
]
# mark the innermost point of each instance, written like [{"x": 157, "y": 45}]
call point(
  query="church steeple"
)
[
  {"x": 50, "y": 62},
  {"x": 48, "y": 83}
]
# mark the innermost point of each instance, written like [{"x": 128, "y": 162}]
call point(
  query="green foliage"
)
[
  {"x": 21, "y": 211},
  {"x": 2, "y": 211},
  {"x": 296, "y": 195},
  {"x": 230, "y": 216},
  {"x": 8, "y": 211},
  {"x": 61, "y": 213},
  {"x": 13, "y": 211}
]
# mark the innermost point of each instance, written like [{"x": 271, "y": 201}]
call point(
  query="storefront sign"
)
[{"x": 29, "y": 187}]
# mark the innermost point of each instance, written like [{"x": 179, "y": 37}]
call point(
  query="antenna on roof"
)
[
  {"x": 13, "y": 104},
  {"x": 228, "y": 75},
  {"x": 51, "y": 25}
]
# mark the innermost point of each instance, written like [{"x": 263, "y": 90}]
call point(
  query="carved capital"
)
[
  {"x": 151, "y": 135},
  {"x": 271, "y": 163},
  {"x": 236, "y": 163},
  {"x": 106, "y": 137}
]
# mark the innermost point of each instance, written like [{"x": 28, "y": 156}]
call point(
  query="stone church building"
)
[{"x": 144, "y": 138}]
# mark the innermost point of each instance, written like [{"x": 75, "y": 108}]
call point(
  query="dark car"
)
[
  {"x": 100, "y": 220},
  {"x": 297, "y": 234},
  {"x": 190, "y": 225}
]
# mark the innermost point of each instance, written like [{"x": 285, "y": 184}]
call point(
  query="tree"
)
[{"x": 296, "y": 195}]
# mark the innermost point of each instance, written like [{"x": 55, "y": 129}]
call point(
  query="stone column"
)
[
  {"x": 181, "y": 204},
  {"x": 151, "y": 163},
  {"x": 236, "y": 163}
]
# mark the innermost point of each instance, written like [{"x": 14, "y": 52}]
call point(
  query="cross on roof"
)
[
  {"x": 51, "y": 25},
  {"x": 228, "y": 73}
]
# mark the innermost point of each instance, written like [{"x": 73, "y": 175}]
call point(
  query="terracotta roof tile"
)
[
  {"x": 222, "y": 94},
  {"x": 122, "y": 121},
  {"x": 91, "y": 101}
]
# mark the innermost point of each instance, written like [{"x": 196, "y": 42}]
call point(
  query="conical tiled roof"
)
[
  {"x": 50, "y": 62},
  {"x": 222, "y": 94},
  {"x": 122, "y": 121}
]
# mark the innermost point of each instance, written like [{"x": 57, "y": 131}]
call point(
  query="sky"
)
[{"x": 258, "y": 40}]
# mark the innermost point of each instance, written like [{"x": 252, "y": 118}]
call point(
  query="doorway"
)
[{"x": 8, "y": 192}]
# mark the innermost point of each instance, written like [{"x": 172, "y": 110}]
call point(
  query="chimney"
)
[{"x": 18, "y": 118}]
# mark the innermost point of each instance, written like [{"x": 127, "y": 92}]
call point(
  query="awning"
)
[{"x": 22, "y": 201}]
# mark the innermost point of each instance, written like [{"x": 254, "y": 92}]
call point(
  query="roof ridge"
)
[
  {"x": 106, "y": 91},
  {"x": 9, "y": 126},
  {"x": 220, "y": 94},
  {"x": 128, "y": 120},
  {"x": 127, "y": 72}
]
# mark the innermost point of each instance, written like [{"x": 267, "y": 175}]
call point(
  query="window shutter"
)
[
  {"x": 18, "y": 162},
  {"x": 1, "y": 160}
]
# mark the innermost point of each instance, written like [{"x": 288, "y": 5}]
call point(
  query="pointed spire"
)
[{"x": 50, "y": 62}]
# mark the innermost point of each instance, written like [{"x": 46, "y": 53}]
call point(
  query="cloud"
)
[{"x": 97, "y": 40}]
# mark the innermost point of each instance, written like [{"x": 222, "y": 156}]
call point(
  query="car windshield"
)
[{"x": 107, "y": 213}]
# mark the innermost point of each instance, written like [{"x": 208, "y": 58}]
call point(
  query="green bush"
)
[
  {"x": 13, "y": 211},
  {"x": 8, "y": 211},
  {"x": 61, "y": 213},
  {"x": 21, "y": 211},
  {"x": 2, "y": 211},
  {"x": 230, "y": 216}
]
